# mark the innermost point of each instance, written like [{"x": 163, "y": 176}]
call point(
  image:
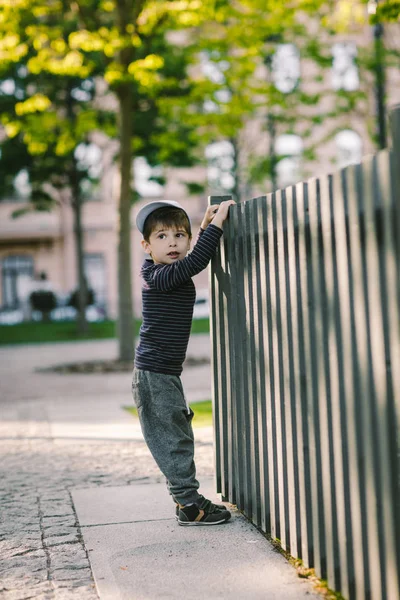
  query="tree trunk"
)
[
  {"x": 128, "y": 12},
  {"x": 78, "y": 234},
  {"x": 125, "y": 309},
  {"x": 76, "y": 202}
]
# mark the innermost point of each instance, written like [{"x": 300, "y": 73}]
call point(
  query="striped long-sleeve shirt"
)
[{"x": 168, "y": 296}]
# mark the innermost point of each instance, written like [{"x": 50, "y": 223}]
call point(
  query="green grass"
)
[
  {"x": 202, "y": 413},
  {"x": 37, "y": 332},
  {"x": 201, "y": 326},
  {"x": 66, "y": 331}
]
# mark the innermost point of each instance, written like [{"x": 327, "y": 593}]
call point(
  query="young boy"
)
[{"x": 168, "y": 296}]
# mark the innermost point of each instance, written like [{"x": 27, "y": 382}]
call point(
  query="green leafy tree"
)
[
  {"x": 124, "y": 43},
  {"x": 130, "y": 37},
  {"x": 47, "y": 117},
  {"x": 43, "y": 141},
  {"x": 386, "y": 11},
  {"x": 235, "y": 87},
  {"x": 241, "y": 46}
]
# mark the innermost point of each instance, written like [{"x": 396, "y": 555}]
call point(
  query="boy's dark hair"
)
[{"x": 166, "y": 216}]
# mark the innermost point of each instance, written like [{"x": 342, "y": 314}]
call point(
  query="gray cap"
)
[{"x": 151, "y": 207}]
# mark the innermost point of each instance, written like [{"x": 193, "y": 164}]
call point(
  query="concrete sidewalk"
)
[
  {"x": 139, "y": 552},
  {"x": 82, "y": 496}
]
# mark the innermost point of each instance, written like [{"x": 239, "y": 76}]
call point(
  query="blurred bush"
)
[
  {"x": 73, "y": 300},
  {"x": 43, "y": 301}
]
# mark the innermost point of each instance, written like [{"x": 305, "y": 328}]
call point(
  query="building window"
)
[
  {"x": 220, "y": 166},
  {"x": 349, "y": 148},
  {"x": 145, "y": 185},
  {"x": 96, "y": 277},
  {"x": 288, "y": 149},
  {"x": 344, "y": 68},
  {"x": 16, "y": 272},
  {"x": 286, "y": 67}
]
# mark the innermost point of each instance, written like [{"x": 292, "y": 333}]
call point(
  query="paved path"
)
[{"x": 59, "y": 435}]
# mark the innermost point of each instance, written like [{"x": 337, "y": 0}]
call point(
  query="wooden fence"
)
[{"x": 306, "y": 362}]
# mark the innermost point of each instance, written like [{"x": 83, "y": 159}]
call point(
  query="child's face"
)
[{"x": 167, "y": 245}]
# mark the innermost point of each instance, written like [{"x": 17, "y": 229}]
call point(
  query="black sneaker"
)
[
  {"x": 201, "y": 499},
  {"x": 203, "y": 513}
]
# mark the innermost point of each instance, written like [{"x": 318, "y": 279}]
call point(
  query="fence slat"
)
[
  {"x": 362, "y": 527},
  {"x": 278, "y": 529},
  {"x": 289, "y": 497},
  {"x": 316, "y": 422},
  {"x": 260, "y": 359},
  {"x": 230, "y": 489},
  {"x": 269, "y": 390},
  {"x": 252, "y": 349},
  {"x": 298, "y": 493},
  {"x": 224, "y": 376},
  {"x": 219, "y": 364},
  {"x": 374, "y": 247},
  {"x": 214, "y": 334},
  {"x": 338, "y": 442},
  {"x": 249, "y": 400},
  {"x": 390, "y": 198},
  {"x": 233, "y": 266},
  {"x": 325, "y": 329},
  {"x": 299, "y": 222}
]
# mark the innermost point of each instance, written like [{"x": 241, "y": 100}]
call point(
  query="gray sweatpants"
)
[{"x": 166, "y": 424}]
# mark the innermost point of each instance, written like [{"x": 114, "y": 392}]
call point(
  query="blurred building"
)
[{"x": 44, "y": 242}]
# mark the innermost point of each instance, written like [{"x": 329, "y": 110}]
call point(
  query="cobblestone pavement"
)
[{"x": 41, "y": 546}]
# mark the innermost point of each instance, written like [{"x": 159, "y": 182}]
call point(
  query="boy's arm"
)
[{"x": 168, "y": 277}]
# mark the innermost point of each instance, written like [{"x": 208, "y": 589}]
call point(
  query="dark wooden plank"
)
[
  {"x": 344, "y": 556},
  {"x": 241, "y": 391},
  {"x": 224, "y": 367},
  {"x": 261, "y": 352},
  {"x": 379, "y": 251},
  {"x": 352, "y": 361},
  {"x": 215, "y": 342},
  {"x": 310, "y": 372},
  {"x": 245, "y": 373},
  {"x": 252, "y": 359},
  {"x": 358, "y": 423},
  {"x": 279, "y": 368},
  {"x": 300, "y": 222},
  {"x": 317, "y": 409},
  {"x": 391, "y": 199},
  {"x": 285, "y": 375},
  {"x": 290, "y": 224},
  {"x": 234, "y": 336},
  {"x": 372, "y": 379},
  {"x": 217, "y": 345},
  {"x": 274, "y": 421},
  {"x": 266, "y": 256},
  {"x": 331, "y": 438},
  {"x": 229, "y": 371}
]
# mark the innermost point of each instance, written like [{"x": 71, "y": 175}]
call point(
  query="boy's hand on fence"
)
[
  {"x": 221, "y": 213},
  {"x": 209, "y": 215}
]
